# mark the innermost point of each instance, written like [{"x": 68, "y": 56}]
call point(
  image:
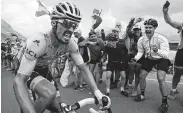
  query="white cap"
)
[{"x": 136, "y": 26}]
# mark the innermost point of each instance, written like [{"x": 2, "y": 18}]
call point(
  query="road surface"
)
[{"x": 120, "y": 104}]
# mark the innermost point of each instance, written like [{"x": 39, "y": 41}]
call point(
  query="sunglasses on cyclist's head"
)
[{"x": 68, "y": 24}]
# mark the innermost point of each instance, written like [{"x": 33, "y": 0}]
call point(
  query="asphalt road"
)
[{"x": 120, "y": 104}]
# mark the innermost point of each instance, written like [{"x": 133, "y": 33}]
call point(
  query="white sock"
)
[
  {"x": 108, "y": 90},
  {"x": 174, "y": 90},
  {"x": 98, "y": 94},
  {"x": 122, "y": 88}
]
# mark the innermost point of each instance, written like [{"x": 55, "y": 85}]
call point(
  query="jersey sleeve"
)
[
  {"x": 140, "y": 49},
  {"x": 35, "y": 47},
  {"x": 164, "y": 47},
  {"x": 74, "y": 52}
]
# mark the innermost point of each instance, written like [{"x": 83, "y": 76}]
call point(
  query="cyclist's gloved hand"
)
[
  {"x": 66, "y": 108},
  {"x": 104, "y": 102}
]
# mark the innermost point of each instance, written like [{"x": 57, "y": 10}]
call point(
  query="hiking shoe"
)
[
  {"x": 134, "y": 94},
  {"x": 173, "y": 94},
  {"x": 81, "y": 88},
  {"x": 84, "y": 85},
  {"x": 139, "y": 98},
  {"x": 125, "y": 93},
  {"x": 164, "y": 107},
  {"x": 77, "y": 88}
]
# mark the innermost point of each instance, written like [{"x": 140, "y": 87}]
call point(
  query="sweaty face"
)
[
  {"x": 65, "y": 30},
  {"x": 149, "y": 30}
]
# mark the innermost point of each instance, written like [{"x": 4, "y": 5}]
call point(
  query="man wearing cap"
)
[
  {"x": 155, "y": 47},
  {"x": 133, "y": 34},
  {"x": 83, "y": 52},
  {"x": 96, "y": 46}
]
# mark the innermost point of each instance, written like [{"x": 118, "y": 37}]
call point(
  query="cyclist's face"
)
[
  {"x": 149, "y": 30},
  {"x": 65, "y": 30}
]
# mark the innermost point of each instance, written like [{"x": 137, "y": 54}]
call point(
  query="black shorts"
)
[
  {"x": 162, "y": 64},
  {"x": 44, "y": 72},
  {"x": 93, "y": 61},
  {"x": 140, "y": 61},
  {"x": 179, "y": 58},
  {"x": 112, "y": 66}
]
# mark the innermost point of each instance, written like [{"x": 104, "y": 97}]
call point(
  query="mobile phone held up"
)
[{"x": 167, "y": 4}]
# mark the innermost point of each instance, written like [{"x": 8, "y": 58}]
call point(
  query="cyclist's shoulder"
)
[
  {"x": 35, "y": 46},
  {"x": 37, "y": 40}
]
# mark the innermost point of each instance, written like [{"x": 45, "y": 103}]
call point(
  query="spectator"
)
[
  {"x": 117, "y": 60},
  {"x": 103, "y": 35},
  {"x": 179, "y": 55},
  {"x": 156, "y": 48},
  {"x": 96, "y": 46}
]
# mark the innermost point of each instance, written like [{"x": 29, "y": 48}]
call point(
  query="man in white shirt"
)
[{"x": 156, "y": 49}]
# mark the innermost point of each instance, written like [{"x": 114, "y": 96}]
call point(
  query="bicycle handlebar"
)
[{"x": 87, "y": 101}]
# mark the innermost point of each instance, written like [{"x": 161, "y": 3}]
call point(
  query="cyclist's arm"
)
[
  {"x": 140, "y": 49},
  {"x": 174, "y": 24},
  {"x": 76, "y": 57},
  {"x": 84, "y": 42},
  {"x": 27, "y": 65}
]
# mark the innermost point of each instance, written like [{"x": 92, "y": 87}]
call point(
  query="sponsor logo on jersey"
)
[
  {"x": 31, "y": 55},
  {"x": 36, "y": 42}
]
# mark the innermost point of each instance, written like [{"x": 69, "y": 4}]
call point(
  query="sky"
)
[{"x": 20, "y": 14}]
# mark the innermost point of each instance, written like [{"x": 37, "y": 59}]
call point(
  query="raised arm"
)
[{"x": 168, "y": 20}]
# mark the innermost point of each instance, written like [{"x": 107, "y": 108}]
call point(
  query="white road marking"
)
[{"x": 166, "y": 81}]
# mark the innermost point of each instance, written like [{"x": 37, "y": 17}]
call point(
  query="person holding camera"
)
[{"x": 178, "y": 64}]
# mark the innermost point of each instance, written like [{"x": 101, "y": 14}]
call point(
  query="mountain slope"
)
[{"x": 6, "y": 30}]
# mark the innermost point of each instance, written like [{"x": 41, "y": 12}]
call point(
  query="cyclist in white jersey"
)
[
  {"x": 178, "y": 64},
  {"x": 156, "y": 49},
  {"x": 41, "y": 50}
]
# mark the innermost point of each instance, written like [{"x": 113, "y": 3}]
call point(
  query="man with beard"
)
[
  {"x": 179, "y": 55},
  {"x": 156, "y": 49},
  {"x": 41, "y": 50}
]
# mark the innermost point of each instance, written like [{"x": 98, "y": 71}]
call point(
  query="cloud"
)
[
  {"x": 21, "y": 13},
  {"x": 21, "y": 16}
]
